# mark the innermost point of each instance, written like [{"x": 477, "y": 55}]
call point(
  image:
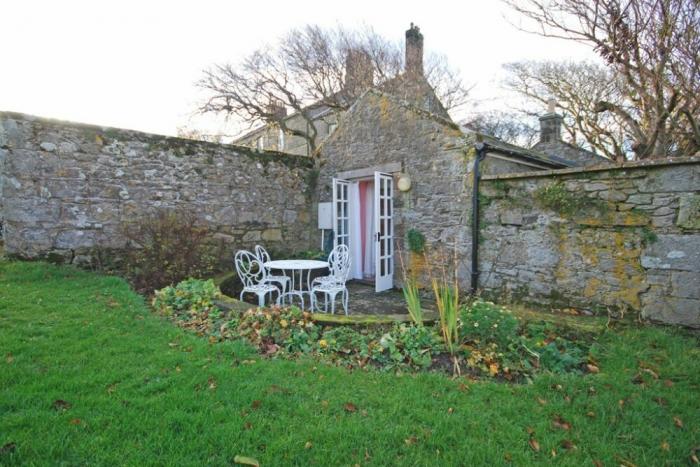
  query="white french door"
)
[
  {"x": 384, "y": 236},
  {"x": 341, "y": 217}
]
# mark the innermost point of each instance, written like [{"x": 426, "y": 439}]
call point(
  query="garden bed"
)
[{"x": 492, "y": 341}]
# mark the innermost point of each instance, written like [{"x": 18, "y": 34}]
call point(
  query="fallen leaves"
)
[
  {"x": 678, "y": 422},
  {"x": 212, "y": 383},
  {"x": 350, "y": 407},
  {"x": 9, "y": 358},
  {"x": 255, "y": 405},
  {"x": 560, "y": 423},
  {"x": 60, "y": 405},
  {"x": 592, "y": 368},
  {"x": 567, "y": 444},
  {"x": 411, "y": 440},
  {"x": 243, "y": 460},
  {"x": 534, "y": 444},
  {"x": 8, "y": 448},
  {"x": 308, "y": 445},
  {"x": 76, "y": 421},
  {"x": 694, "y": 455}
]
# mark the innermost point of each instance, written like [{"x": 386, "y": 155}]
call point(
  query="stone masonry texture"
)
[
  {"x": 68, "y": 188},
  {"x": 625, "y": 238}
]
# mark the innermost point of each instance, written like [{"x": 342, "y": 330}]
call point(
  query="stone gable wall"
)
[
  {"x": 377, "y": 131},
  {"x": 624, "y": 238},
  {"x": 68, "y": 188}
]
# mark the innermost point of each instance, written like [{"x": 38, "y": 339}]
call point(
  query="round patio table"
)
[{"x": 295, "y": 269}]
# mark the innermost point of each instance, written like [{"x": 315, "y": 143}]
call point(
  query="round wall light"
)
[{"x": 404, "y": 183}]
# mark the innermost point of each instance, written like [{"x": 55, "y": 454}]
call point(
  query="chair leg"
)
[
  {"x": 241, "y": 297},
  {"x": 261, "y": 299},
  {"x": 345, "y": 301}
]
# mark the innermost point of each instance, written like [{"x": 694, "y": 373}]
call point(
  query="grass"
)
[{"x": 143, "y": 392}]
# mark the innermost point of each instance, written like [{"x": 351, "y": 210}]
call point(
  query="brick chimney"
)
[
  {"x": 414, "y": 51},
  {"x": 359, "y": 72},
  {"x": 550, "y": 124}
]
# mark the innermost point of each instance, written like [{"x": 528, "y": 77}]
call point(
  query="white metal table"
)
[{"x": 295, "y": 269}]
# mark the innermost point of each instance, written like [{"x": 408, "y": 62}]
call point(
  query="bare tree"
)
[
  {"x": 577, "y": 87},
  {"x": 306, "y": 71},
  {"x": 507, "y": 126},
  {"x": 188, "y": 132},
  {"x": 652, "y": 45}
]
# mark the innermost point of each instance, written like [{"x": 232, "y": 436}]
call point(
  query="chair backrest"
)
[
  {"x": 262, "y": 254},
  {"x": 249, "y": 268},
  {"x": 339, "y": 261}
]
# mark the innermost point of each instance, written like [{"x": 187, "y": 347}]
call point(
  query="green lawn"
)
[{"x": 140, "y": 391}]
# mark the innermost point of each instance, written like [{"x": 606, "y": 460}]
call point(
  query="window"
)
[
  {"x": 261, "y": 142},
  {"x": 280, "y": 140}
]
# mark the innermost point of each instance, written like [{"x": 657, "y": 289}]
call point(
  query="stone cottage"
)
[
  {"x": 550, "y": 225},
  {"x": 410, "y": 85}
]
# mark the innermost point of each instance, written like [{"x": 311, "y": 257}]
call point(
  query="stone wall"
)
[
  {"x": 68, "y": 188},
  {"x": 624, "y": 238}
]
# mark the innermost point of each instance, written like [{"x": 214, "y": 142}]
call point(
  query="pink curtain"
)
[{"x": 367, "y": 216}]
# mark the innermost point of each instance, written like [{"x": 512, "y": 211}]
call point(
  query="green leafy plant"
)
[
  {"x": 553, "y": 351},
  {"x": 189, "y": 298},
  {"x": 486, "y": 322},
  {"x": 416, "y": 241}
]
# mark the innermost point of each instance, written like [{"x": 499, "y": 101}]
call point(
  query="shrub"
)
[
  {"x": 486, "y": 322},
  {"x": 187, "y": 299},
  {"x": 167, "y": 247},
  {"x": 289, "y": 328},
  {"x": 416, "y": 241},
  {"x": 556, "y": 353}
]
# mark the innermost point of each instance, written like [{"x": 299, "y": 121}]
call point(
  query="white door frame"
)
[
  {"x": 341, "y": 220},
  {"x": 384, "y": 235}
]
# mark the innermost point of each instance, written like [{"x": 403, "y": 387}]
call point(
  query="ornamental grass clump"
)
[
  {"x": 411, "y": 292},
  {"x": 446, "y": 290}
]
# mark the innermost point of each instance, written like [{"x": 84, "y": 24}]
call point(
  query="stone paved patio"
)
[{"x": 364, "y": 300}]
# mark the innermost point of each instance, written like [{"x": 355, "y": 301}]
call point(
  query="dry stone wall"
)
[
  {"x": 623, "y": 238},
  {"x": 69, "y": 188}
]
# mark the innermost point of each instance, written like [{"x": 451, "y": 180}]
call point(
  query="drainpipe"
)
[{"x": 480, "y": 154}]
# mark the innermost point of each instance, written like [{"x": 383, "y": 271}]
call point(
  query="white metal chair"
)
[
  {"x": 253, "y": 275},
  {"x": 337, "y": 255},
  {"x": 331, "y": 286},
  {"x": 263, "y": 256}
]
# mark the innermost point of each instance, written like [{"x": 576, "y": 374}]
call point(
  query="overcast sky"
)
[{"x": 133, "y": 64}]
